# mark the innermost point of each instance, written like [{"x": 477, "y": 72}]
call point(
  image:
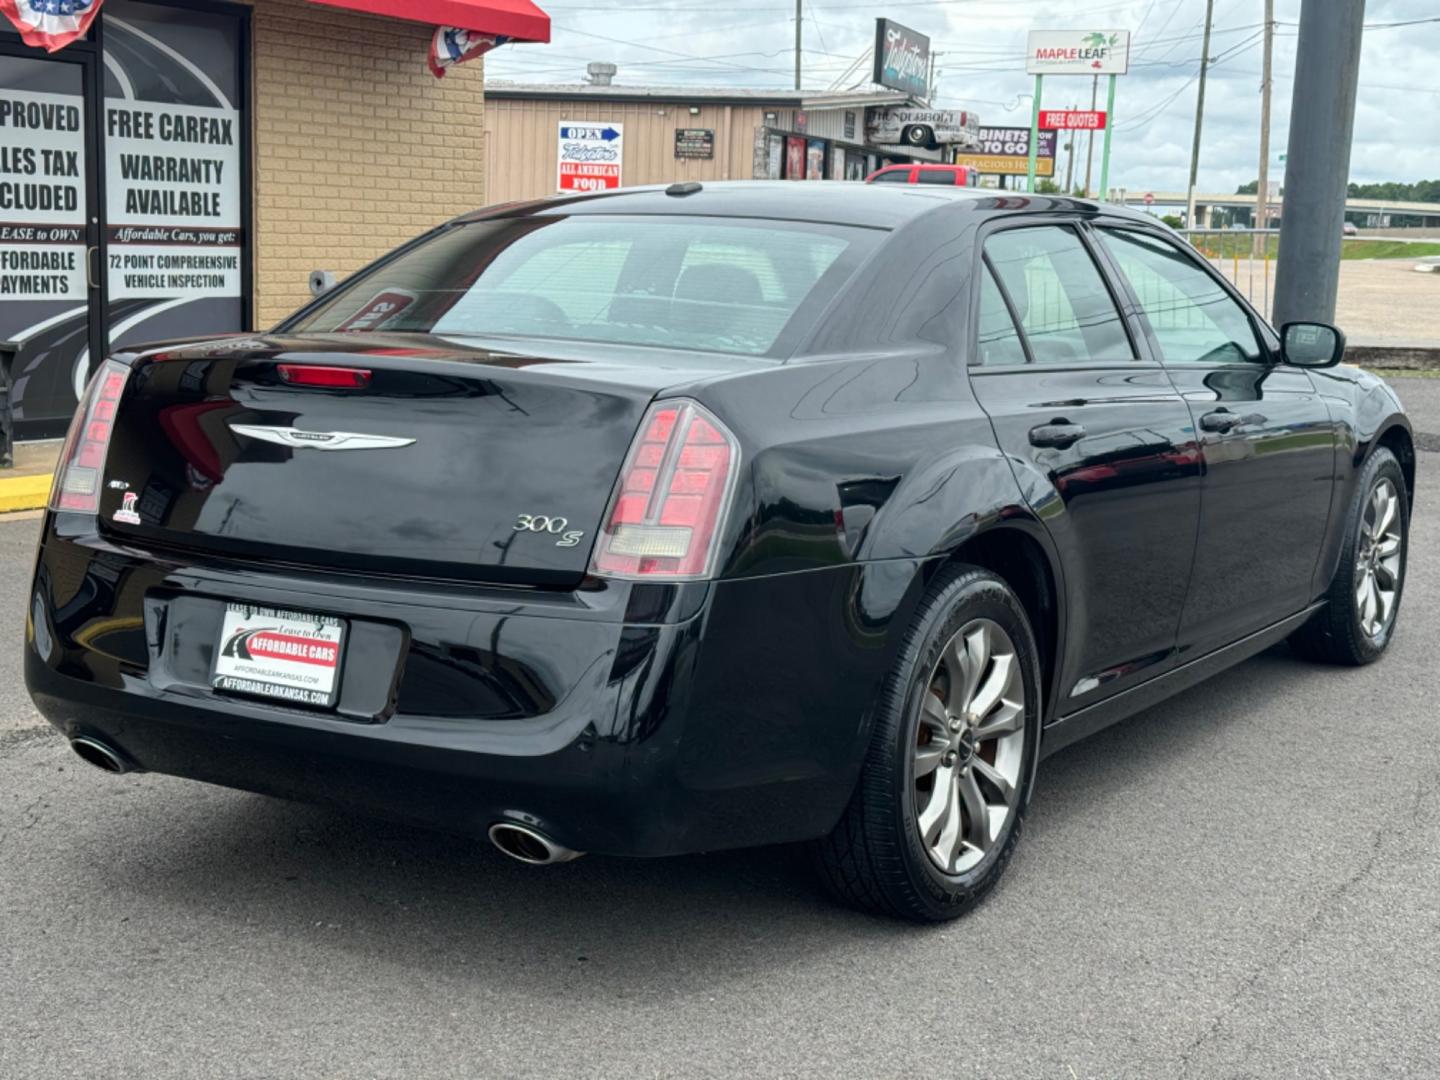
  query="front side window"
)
[
  {"x": 897, "y": 176},
  {"x": 1064, "y": 307},
  {"x": 686, "y": 283},
  {"x": 1192, "y": 317}
]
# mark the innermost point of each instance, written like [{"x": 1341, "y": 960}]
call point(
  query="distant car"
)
[
  {"x": 1349, "y": 229},
  {"x": 944, "y": 175},
  {"x": 663, "y": 521}
]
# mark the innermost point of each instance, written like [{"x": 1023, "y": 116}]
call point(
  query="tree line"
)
[{"x": 1391, "y": 191}]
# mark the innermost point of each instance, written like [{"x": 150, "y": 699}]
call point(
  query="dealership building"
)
[{"x": 182, "y": 168}]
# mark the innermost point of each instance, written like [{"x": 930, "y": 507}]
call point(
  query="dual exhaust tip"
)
[
  {"x": 518, "y": 841},
  {"x": 529, "y": 845},
  {"x": 102, "y": 756}
]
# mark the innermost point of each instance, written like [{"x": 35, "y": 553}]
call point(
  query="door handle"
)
[
  {"x": 1221, "y": 420},
  {"x": 1059, "y": 434},
  {"x": 92, "y": 277}
]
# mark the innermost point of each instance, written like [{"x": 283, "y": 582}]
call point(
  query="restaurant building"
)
[
  {"x": 661, "y": 135},
  {"x": 184, "y": 167}
]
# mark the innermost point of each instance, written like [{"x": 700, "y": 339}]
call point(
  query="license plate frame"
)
[{"x": 279, "y": 654}]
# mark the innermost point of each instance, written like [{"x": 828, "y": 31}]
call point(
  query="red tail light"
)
[
  {"x": 665, "y": 517},
  {"x": 335, "y": 378},
  {"x": 82, "y": 459}
]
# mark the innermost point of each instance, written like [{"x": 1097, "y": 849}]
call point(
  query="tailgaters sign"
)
[
  {"x": 1078, "y": 52},
  {"x": 902, "y": 58}
]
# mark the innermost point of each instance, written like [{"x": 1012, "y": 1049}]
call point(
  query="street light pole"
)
[
  {"x": 1199, "y": 116},
  {"x": 1317, "y": 164}
]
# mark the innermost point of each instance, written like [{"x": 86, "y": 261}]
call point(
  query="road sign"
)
[
  {"x": 1072, "y": 120},
  {"x": 590, "y": 155},
  {"x": 1149, "y": 198},
  {"x": 1078, "y": 52}
]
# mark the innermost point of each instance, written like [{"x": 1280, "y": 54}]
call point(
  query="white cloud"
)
[{"x": 980, "y": 60}]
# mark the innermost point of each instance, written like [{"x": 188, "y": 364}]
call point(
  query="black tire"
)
[
  {"x": 1334, "y": 634},
  {"x": 874, "y": 859},
  {"x": 917, "y": 135}
]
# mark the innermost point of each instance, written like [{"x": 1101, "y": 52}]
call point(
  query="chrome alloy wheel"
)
[
  {"x": 969, "y": 747},
  {"x": 1377, "y": 560}
]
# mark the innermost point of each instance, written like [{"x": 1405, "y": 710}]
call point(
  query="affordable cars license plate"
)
[{"x": 275, "y": 653}]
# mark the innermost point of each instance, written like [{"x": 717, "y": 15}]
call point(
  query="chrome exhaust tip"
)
[
  {"x": 529, "y": 846},
  {"x": 94, "y": 752}
]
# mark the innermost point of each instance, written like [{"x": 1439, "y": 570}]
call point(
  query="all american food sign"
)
[
  {"x": 1079, "y": 52},
  {"x": 590, "y": 155}
]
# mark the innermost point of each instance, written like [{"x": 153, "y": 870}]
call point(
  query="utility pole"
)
[
  {"x": 1262, "y": 193},
  {"x": 1070, "y": 160},
  {"x": 1317, "y": 163},
  {"x": 1090, "y": 143},
  {"x": 1199, "y": 116},
  {"x": 799, "y": 15}
]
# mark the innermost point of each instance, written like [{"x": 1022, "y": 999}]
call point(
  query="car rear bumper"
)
[{"x": 623, "y": 720}]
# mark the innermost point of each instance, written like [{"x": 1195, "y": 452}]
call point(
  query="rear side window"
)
[
  {"x": 936, "y": 176},
  {"x": 710, "y": 284},
  {"x": 1192, "y": 317},
  {"x": 1064, "y": 306},
  {"x": 998, "y": 340},
  {"x": 899, "y": 176}
]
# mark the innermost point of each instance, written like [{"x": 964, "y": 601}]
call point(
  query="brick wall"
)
[{"x": 357, "y": 146}]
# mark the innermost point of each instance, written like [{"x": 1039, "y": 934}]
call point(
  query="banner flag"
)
[
  {"x": 451, "y": 46},
  {"x": 50, "y": 24}
]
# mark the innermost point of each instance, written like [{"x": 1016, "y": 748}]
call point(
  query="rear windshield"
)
[{"x": 716, "y": 284}]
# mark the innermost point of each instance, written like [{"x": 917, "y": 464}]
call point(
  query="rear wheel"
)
[
  {"x": 917, "y": 135},
  {"x": 938, "y": 808},
  {"x": 1358, "y": 619}
]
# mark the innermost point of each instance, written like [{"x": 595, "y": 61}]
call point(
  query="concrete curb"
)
[
  {"x": 24, "y": 492},
  {"x": 1395, "y": 357}
]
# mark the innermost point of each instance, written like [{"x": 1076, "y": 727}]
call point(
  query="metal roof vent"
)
[{"x": 600, "y": 74}]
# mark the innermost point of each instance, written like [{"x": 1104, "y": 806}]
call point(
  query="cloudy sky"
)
[{"x": 980, "y": 46}]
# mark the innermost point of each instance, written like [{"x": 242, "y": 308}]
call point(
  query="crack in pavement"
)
[{"x": 1316, "y": 920}]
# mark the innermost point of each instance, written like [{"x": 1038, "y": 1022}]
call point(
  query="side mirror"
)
[{"x": 1312, "y": 345}]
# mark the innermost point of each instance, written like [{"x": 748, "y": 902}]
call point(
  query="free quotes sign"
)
[
  {"x": 173, "y": 189},
  {"x": 42, "y": 197}
]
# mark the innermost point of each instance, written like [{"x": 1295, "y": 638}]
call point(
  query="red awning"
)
[{"x": 519, "y": 20}]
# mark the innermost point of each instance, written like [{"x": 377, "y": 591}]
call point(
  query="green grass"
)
[
  {"x": 1403, "y": 373},
  {"x": 1387, "y": 249},
  {"x": 1222, "y": 246}
]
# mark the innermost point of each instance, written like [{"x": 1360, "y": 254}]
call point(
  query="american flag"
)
[{"x": 50, "y": 24}]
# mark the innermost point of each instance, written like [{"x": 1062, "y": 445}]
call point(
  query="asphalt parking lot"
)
[{"x": 1241, "y": 882}]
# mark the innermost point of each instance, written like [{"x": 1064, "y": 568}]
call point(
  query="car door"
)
[
  {"x": 1101, "y": 444},
  {"x": 1266, "y": 438}
]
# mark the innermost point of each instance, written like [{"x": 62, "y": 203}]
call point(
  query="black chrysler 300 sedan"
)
[{"x": 668, "y": 520}]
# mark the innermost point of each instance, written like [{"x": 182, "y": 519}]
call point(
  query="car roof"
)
[{"x": 840, "y": 202}]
